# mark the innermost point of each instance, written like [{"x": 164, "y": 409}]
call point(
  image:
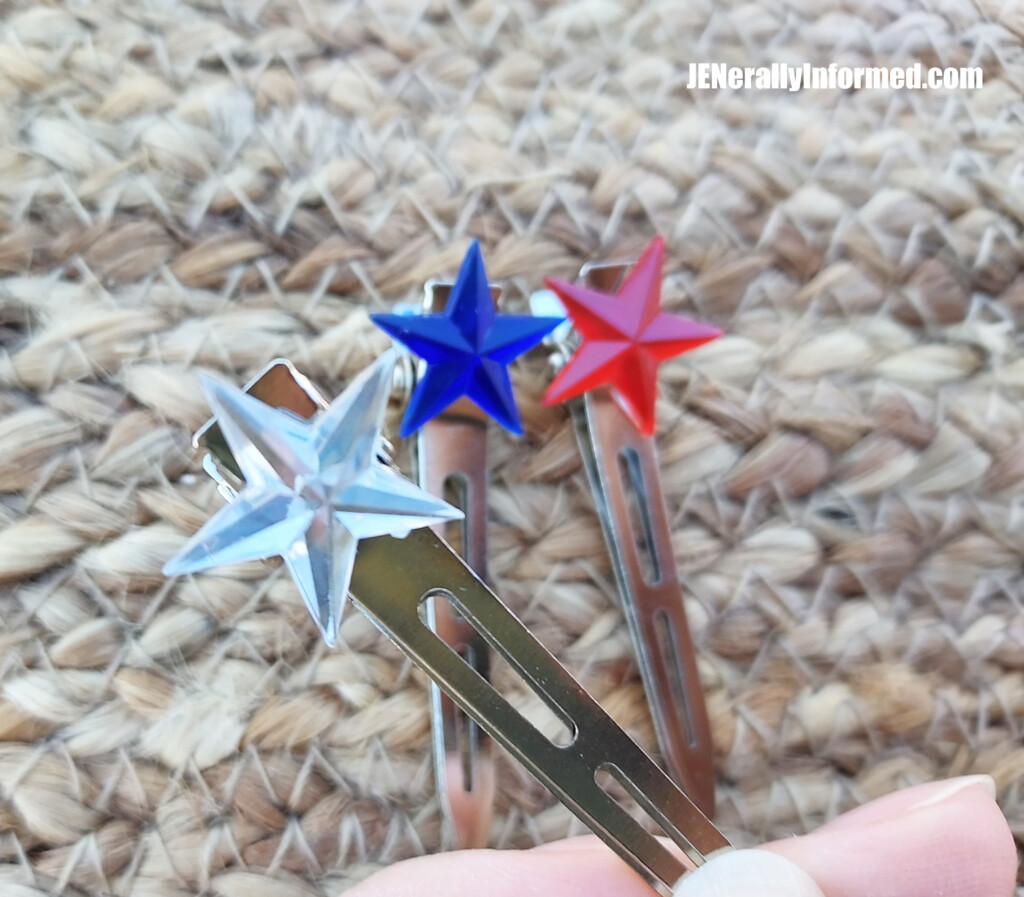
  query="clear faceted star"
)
[
  {"x": 467, "y": 348},
  {"x": 313, "y": 490},
  {"x": 624, "y": 338}
]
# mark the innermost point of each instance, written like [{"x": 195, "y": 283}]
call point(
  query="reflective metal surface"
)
[
  {"x": 393, "y": 579},
  {"x": 623, "y": 471},
  {"x": 451, "y": 463}
]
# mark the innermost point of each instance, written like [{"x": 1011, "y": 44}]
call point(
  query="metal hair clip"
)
[
  {"x": 314, "y": 482},
  {"x": 465, "y": 347},
  {"x": 621, "y": 340}
]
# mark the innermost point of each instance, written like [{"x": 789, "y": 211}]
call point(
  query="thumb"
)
[{"x": 738, "y": 873}]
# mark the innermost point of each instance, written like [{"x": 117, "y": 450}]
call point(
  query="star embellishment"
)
[
  {"x": 313, "y": 490},
  {"x": 623, "y": 339},
  {"x": 467, "y": 349}
]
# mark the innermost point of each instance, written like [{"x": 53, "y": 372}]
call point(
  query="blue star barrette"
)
[{"x": 466, "y": 349}]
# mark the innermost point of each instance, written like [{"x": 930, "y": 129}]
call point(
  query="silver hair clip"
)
[
  {"x": 310, "y": 482},
  {"x": 464, "y": 347},
  {"x": 451, "y": 462},
  {"x": 607, "y": 370}
]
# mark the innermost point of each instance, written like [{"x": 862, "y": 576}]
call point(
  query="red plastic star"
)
[{"x": 624, "y": 339}]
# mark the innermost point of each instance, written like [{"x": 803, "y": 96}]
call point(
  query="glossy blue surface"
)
[{"x": 467, "y": 349}]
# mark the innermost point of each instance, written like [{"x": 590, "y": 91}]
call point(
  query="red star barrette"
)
[{"x": 624, "y": 338}]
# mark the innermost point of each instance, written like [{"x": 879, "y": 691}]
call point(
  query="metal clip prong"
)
[
  {"x": 451, "y": 463},
  {"x": 622, "y": 468},
  {"x": 395, "y": 580},
  {"x": 391, "y": 582}
]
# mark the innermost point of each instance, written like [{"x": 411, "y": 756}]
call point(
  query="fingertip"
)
[
  {"x": 565, "y": 870},
  {"x": 959, "y": 845}
]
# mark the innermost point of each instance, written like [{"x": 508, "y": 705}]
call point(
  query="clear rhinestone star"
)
[{"x": 313, "y": 490}]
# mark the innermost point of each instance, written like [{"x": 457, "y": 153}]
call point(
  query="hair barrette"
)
[
  {"x": 312, "y": 482},
  {"x": 607, "y": 371},
  {"x": 461, "y": 380}
]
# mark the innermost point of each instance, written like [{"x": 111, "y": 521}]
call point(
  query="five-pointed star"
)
[
  {"x": 313, "y": 490},
  {"x": 624, "y": 339},
  {"x": 467, "y": 349}
]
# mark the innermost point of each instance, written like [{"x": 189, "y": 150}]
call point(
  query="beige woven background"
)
[{"x": 206, "y": 186}]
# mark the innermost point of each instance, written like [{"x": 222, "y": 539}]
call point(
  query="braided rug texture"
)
[{"x": 205, "y": 186}]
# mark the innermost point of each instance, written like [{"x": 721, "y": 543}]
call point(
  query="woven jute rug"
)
[{"x": 207, "y": 186}]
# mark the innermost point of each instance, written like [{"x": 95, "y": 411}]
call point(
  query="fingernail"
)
[
  {"x": 955, "y": 786},
  {"x": 740, "y": 873}
]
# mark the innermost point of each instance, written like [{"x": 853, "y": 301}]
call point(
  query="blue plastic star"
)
[{"x": 467, "y": 349}]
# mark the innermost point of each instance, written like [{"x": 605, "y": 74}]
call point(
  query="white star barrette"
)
[
  {"x": 312, "y": 483},
  {"x": 313, "y": 489}
]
